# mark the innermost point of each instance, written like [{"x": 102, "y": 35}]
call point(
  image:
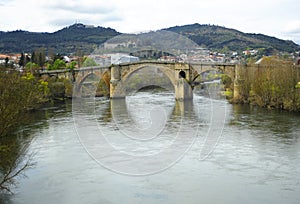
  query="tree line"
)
[{"x": 272, "y": 84}]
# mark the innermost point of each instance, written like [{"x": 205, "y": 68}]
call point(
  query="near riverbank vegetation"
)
[
  {"x": 273, "y": 83},
  {"x": 19, "y": 94}
]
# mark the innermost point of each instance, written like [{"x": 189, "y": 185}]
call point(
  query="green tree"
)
[
  {"x": 72, "y": 65},
  {"x": 6, "y": 62},
  {"x": 32, "y": 67},
  {"x": 89, "y": 62},
  {"x": 39, "y": 57},
  {"x": 42, "y": 59},
  {"x": 18, "y": 94},
  {"x": 22, "y": 60},
  {"x": 58, "y": 64},
  {"x": 34, "y": 57}
]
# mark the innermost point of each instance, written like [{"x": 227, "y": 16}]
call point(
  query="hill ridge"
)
[
  {"x": 85, "y": 38},
  {"x": 219, "y": 37}
]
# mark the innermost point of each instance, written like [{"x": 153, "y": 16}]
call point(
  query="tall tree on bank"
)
[
  {"x": 24, "y": 59},
  {"x": 6, "y": 62},
  {"x": 18, "y": 94},
  {"x": 39, "y": 57}
]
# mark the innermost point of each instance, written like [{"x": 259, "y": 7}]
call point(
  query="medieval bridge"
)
[{"x": 181, "y": 75}]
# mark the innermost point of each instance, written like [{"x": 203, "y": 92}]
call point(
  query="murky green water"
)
[{"x": 256, "y": 158}]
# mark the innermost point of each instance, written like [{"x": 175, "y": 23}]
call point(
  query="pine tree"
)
[{"x": 22, "y": 60}]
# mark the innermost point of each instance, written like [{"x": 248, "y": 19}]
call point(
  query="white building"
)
[{"x": 122, "y": 58}]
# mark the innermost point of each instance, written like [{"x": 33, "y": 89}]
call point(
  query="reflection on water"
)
[
  {"x": 255, "y": 161},
  {"x": 14, "y": 148},
  {"x": 142, "y": 130}
]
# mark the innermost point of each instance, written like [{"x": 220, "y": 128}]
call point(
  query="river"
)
[{"x": 150, "y": 149}]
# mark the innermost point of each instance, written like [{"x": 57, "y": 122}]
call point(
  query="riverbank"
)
[{"x": 273, "y": 86}]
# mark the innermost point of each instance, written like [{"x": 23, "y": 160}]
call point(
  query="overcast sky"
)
[{"x": 278, "y": 18}]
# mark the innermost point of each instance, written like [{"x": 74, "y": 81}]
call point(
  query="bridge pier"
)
[
  {"x": 183, "y": 74},
  {"x": 183, "y": 90},
  {"x": 117, "y": 90},
  {"x": 237, "y": 84}
]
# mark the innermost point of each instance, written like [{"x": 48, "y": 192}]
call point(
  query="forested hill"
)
[
  {"x": 72, "y": 39},
  {"x": 81, "y": 38},
  {"x": 221, "y": 38}
]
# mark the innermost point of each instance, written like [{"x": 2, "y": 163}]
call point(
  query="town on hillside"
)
[{"x": 41, "y": 61}]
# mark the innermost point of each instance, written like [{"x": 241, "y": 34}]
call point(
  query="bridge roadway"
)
[{"x": 204, "y": 64}]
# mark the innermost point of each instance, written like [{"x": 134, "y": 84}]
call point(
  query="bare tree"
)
[
  {"x": 14, "y": 168},
  {"x": 18, "y": 94}
]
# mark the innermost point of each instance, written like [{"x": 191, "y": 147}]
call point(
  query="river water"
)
[{"x": 151, "y": 149}]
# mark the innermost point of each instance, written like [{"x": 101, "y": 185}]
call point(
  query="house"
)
[{"x": 250, "y": 52}]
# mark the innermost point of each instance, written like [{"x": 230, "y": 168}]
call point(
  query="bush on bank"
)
[{"x": 271, "y": 85}]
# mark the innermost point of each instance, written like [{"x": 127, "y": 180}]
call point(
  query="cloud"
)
[
  {"x": 5, "y": 3},
  {"x": 291, "y": 31},
  {"x": 270, "y": 17},
  {"x": 82, "y": 7},
  {"x": 61, "y": 22},
  {"x": 111, "y": 18},
  {"x": 293, "y": 27},
  {"x": 64, "y": 13},
  {"x": 96, "y": 21}
]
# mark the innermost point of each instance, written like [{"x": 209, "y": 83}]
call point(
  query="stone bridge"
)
[{"x": 181, "y": 75}]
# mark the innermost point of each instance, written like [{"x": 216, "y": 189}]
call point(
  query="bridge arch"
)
[
  {"x": 181, "y": 86},
  {"x": 167, "y": 71},
  {"x": 228, "y": 70},
  {"x": 83, "y": 79},
  {"x": 99, "y": 76}
]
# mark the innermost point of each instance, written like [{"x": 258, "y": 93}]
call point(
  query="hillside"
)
[
  {"x": 77, "y": 37},
  {"x": 218, "y": 38},
  {"x": 84, "y": 39}
]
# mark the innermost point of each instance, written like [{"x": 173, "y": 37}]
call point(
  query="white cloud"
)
[
  {"x": 293, "y": 27},
  {"x": 291, "y": 31},
  {"x": 84, "y": 7},
  {"x": 277, "y": 18}
]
